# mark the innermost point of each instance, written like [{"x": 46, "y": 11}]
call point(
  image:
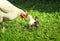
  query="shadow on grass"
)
[{"x": 29, "y": 28}]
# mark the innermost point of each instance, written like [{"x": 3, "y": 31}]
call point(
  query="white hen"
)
[{"x": 9, "y": 10}]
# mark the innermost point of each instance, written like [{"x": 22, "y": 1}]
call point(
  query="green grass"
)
[{"x": 49, "y": 29}]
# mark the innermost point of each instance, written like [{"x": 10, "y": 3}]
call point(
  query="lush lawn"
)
[{"x": 49, "y": 29}]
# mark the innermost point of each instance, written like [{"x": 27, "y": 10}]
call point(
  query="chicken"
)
[{"x": 10, "y": 11}]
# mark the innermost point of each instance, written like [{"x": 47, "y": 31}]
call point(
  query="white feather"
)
[{"x": 31, "y": 22}]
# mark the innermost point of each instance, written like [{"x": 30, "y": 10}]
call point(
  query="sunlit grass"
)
[{"x": 49, "y": 29}]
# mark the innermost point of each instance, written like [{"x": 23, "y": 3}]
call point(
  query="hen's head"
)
[{"x": 24, "y": 15}]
